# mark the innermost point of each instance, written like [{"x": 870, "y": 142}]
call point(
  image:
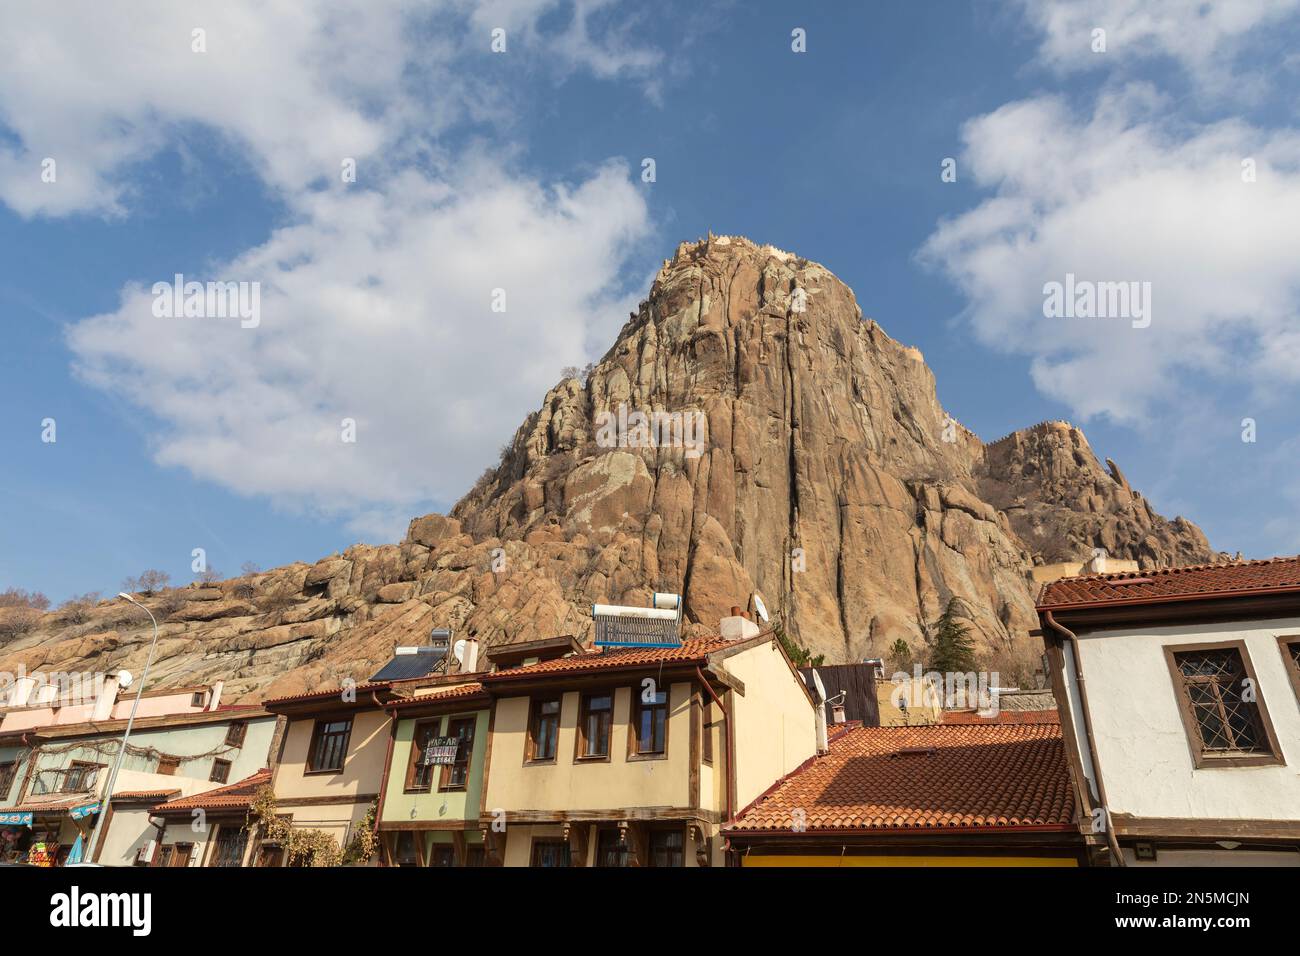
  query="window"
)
[
  {"x": 1290, "y": 657},
  {"x": 419, "y": 775},
  {"x": 236, "y": 733},
  {"x": 79, "y": 776},
  {"x": 666, "y": 848},
  {"x": 220, "y": 771},
  {"x": 329, "y": 745},
  {"x": 407, "y": 854},
  {"x": 230, "y": 845},
  {"x": 444, "y": 854},
  {"x": 1221, "y": 705},
  {"x": 550, "y": 853},
  {"x": 650, "y": 724},
  {"x": 706, "y": 748},
  {"x": 198, "y": 699},
  {"x": 168, "y": 765},
  {"x": 593, "y": 726},
  {"x": 544, "y": 730},
  {"x": 475, "y": 856},
  {"x": 7, "y": 773},
  {"x": 610, "y": 848},
  {"x": 455, "y": 776}
]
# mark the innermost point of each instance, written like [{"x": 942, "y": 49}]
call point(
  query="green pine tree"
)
[{"x": 952, "y": 650}]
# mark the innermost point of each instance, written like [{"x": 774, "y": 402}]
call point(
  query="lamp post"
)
[{"x": 96, "y": 834}]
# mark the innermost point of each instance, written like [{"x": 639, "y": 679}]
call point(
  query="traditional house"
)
[
  {"x": 1179, "y": 694},
  {"x": 183, "y": 741},
  {"x": 209, "y": 829},
  {"x": 995, "y": 794},
  {"x": 433, "y": 782},
  {"x": 337, "y": 745},
  {"x": 635, "y": 756}
]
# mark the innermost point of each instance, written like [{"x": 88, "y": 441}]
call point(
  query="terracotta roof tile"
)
[
  {"x": 926, "y": 778},
  {"x": 694, "y": 651},
  {"x": 1167, "y": 584},
  {"x": 50, "y": 803},
  {"x": 234, "y": 796},
  {"x": 1001, "y": 717},
  {"x": 144, "y": 794},
  {"x": 363, "y": 688},
  {"x": 456, "y": 693}
]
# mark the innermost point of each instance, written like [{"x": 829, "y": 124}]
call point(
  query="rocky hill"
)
[{"x": 789, "y": 445}]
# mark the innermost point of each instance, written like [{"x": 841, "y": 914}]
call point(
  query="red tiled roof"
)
[
  {"x": 145, "y": 794},
  {"x": 362, "y": 688},
  {"x": 456, "y": 693},
  {"x": 926, "y": 778},
  {"x": 690, "y": 652},
  {"x": 1001, "y": 717},
  {"x": 51, "y": 803},
  {"x": 1172, "y": 584},
  {"x": 234, "y": 796}
]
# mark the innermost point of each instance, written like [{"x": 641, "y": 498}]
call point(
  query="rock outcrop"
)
[{"x": 748, "y": 429}]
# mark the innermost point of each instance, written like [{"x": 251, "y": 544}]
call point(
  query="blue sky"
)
[{"x": 521, "y": 170}]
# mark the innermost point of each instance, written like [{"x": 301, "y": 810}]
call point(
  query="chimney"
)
[
  {"x": 21, "y": 694},
  {"x": 470, "y": 662},
  {"x": 103, "y": 709},
  {"x": 214, "y": 697},
  {"x": 823, "y": 743},
  {"x": 737, "y": 627}
]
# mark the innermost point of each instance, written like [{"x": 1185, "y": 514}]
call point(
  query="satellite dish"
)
[
  {"x": 760, "y": 608},
  {"x": 821, "y": 688},
  {"x": 124, "y": 679},
  {"x": 459, "y": 651}
]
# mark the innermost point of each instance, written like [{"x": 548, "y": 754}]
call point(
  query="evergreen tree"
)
[{"x": 952, "y": 650}]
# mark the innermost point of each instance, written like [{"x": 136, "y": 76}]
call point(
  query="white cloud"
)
[
  {"x": 375, "y": 296},
  {"x": 1127, "y": 193},
  {"x": 1205, "y": 38},
  {"x": 377, "y": 308}
]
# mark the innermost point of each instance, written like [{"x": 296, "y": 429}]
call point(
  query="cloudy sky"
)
[{"x": 217, "y": 141}]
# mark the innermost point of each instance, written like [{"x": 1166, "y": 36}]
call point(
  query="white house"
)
[{"x": 1179, "y": 693}]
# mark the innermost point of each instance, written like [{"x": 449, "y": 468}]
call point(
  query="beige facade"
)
[
  {"x": 626, "y": 807},
  {"x": 334, "y": 801}
]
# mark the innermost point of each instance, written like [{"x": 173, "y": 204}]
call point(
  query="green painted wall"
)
[{"x": 435, "y": 807}]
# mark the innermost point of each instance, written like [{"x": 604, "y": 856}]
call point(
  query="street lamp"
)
[{"x": 96, "y": 834}]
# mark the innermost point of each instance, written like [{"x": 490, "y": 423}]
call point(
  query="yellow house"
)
[{"x": 637, "y": 756}]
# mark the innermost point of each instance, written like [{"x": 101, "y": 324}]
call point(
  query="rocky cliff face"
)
[{"x": 749, "y": 429}]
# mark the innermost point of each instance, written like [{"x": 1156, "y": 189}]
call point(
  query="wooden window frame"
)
[
  {"x": 236, "y": 733},
  {"x": 444, "y": 778},
  {"x": 539, "y": 842},
  {"x": 1284, "y": 643},
  {"x": 1201, "y": 759},
  {"x": 8, "y": 774},
  {"x": 535, "y": 705},
  {"x": 86, "y": 767},
  {"x": 580, "y": 754},
  {"x": 199, "y": 699},
  {"x": 681, "y": 830},
  {"x": 417, "y": 753},
  {"x": 168, "y": 765},
  {"x": 218, "y": 762},
  {"x": 317, "y": 731},
  {"x": 635, "y": 709}
]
